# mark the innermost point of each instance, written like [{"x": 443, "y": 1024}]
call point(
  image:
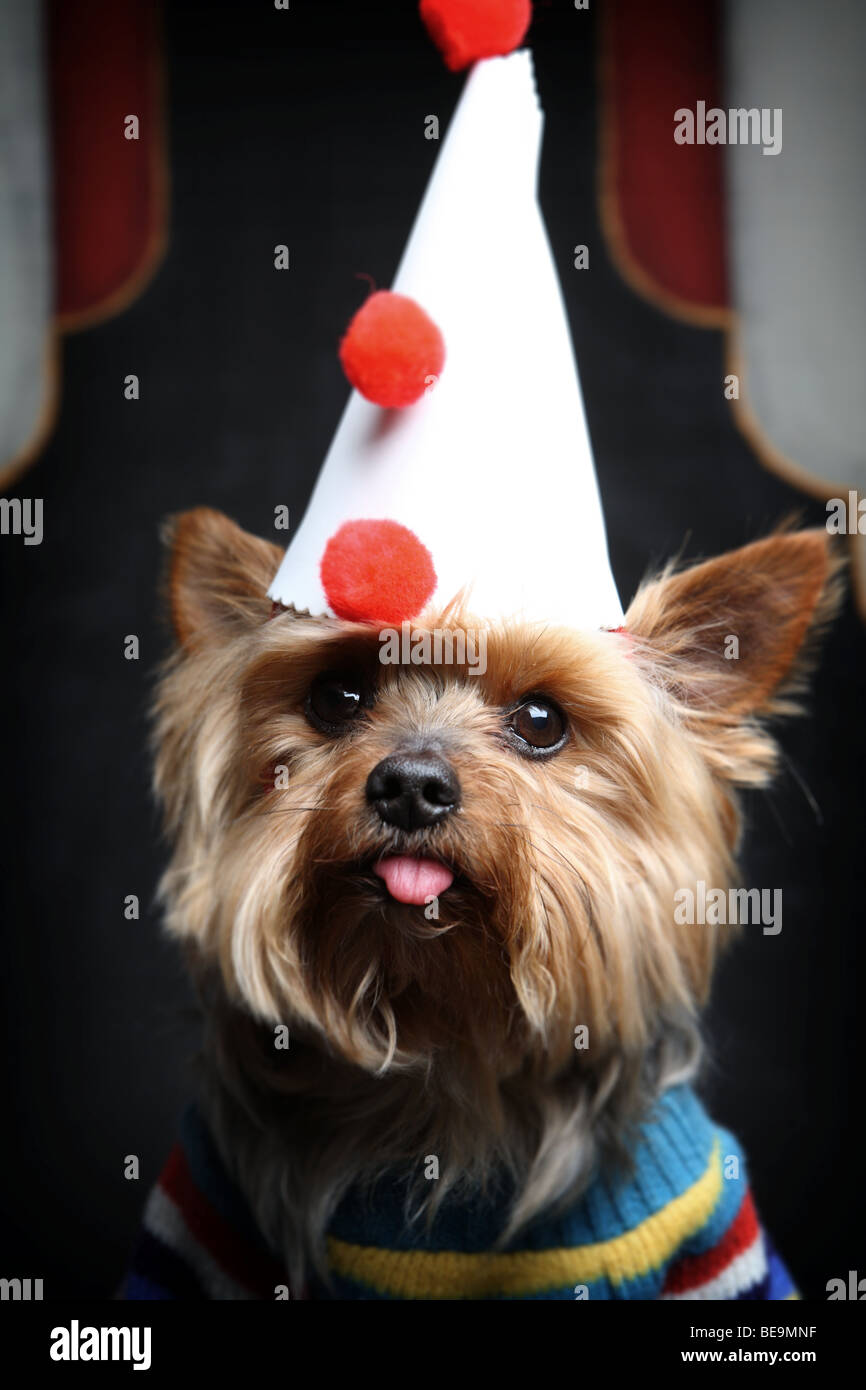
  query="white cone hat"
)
[{"x": 493, "y": 469}]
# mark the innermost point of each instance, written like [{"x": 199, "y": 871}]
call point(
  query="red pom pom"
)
[
  {"x": 466, "y": 30},
  {"x": 377, "y": 572},
  {"x": 391, "y": 350}
]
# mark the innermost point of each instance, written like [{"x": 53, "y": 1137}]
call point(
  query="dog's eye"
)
[
  {"x": 537, "y": 727},
  {"x": 335, "y": 699}
]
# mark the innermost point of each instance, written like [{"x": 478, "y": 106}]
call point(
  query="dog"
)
[{"x": 430, "y": 918}]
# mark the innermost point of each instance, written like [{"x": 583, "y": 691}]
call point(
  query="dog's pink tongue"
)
[{"x": 413, "y": 880}]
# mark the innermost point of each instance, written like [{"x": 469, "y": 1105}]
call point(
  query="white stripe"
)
[
  {"x": 742, "y": 1273},
  {"x": 164, "y": 1219}
]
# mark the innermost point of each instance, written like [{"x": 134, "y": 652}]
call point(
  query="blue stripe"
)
[{"x": 158, "y": 1272}]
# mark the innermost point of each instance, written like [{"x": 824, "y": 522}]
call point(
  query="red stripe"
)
[
  {"x": 104, "y": 62},
  {"x": 240, "y": 1260},
  {"x": 694, "y": 1270},
  {"x": 670, "y": 197}
]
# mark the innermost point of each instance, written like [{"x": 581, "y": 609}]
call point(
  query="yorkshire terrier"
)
[{"x": 430, "y": 916}]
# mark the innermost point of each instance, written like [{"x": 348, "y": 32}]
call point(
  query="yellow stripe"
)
[{"x": 430, "y": 1274}]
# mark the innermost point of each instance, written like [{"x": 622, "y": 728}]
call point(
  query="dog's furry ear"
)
[
  {"x": 732, "y": 637},
  {"x": 218, "y": 576}
]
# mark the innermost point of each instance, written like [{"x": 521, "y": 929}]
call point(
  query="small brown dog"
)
[{"x": 427, "y": 882}]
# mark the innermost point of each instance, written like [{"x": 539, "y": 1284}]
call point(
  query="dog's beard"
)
[
  {"x": 393, "y": 986},
  {"x": 389, "y": 985}
]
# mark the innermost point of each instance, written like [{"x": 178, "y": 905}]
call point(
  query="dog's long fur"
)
[{"x": 455, "y": 1037}]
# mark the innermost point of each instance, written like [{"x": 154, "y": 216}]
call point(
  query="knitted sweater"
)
[{"x": 680, "y": 1225}]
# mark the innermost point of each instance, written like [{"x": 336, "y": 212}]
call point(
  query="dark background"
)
[{"x": 307, "y": 128}]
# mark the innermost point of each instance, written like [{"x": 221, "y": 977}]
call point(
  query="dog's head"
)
[{"x": 409, "y": 857}]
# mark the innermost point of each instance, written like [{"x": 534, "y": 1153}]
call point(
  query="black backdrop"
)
[{"x": 306, "y": 128}]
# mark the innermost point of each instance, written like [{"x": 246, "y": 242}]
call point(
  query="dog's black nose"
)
[{"x": 411, "y": 790}]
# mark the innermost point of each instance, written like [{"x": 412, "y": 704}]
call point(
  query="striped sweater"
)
[{"x": 681, "y": 1225}]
